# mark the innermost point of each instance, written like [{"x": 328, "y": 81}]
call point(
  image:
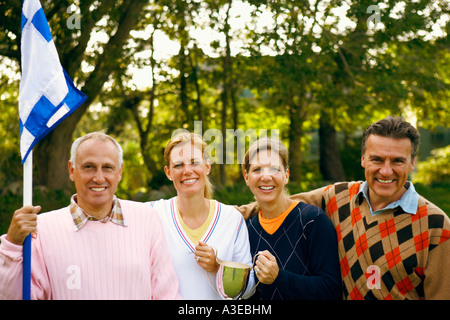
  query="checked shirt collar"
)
[
  {"x": 80, "y": 217},
  {"x": 408, "y": 202}
]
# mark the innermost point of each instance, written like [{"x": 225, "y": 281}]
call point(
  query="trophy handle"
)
[
  {"x": 207, "y": 274},
  {"x": 213, "y": 286},
  {"x": 254, "y": 288}
]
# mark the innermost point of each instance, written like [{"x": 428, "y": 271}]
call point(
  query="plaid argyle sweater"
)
[{"x": 392, "y": 255}]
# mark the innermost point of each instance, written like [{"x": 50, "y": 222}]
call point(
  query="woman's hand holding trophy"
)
[
  {"x": 266, "y": 267},
  {"x": 206, "y": 257}
]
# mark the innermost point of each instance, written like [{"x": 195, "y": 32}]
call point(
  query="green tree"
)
[
  {"x": 349, "y": 76},
  {"x": 72, "y": 45},
  {"x": 312, "y": 65}
]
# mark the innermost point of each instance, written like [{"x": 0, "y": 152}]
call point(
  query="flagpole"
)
[
  {"x": 27, "y": 200},
  {"x": 42, "y": 77}
]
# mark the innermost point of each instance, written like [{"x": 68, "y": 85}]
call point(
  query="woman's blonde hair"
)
[{"x": 196, "y": 140}]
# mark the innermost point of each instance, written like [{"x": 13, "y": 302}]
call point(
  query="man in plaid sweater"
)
[
  {"x": 393, "y": 254},
  {"x": 392, "y": 242}
]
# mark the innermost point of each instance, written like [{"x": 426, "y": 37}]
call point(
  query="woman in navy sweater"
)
[{"x": 295, "y": 242}]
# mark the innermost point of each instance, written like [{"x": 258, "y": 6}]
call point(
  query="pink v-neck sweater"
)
[{"x": 100, "y": 261}]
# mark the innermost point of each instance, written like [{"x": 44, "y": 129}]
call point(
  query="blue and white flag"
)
[{"x": 47, "y": 95}]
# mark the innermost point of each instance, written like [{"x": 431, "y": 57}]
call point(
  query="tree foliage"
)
[
  {"x": 323, "y": 66},
  {"x": 435, "y": 169}
]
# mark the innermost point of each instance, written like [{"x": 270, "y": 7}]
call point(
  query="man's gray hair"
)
[{"x": 100, "y": 136}]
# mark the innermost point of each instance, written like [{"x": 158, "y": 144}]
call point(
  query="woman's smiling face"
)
[
  {"x": 266, "y": 176},
  {"x": 188, "y": 169}
]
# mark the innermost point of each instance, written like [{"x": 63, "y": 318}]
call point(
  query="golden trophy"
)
[{"x": 232, "y": 279}]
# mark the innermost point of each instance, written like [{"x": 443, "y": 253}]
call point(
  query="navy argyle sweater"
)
[{"x": 305, "y": 246}]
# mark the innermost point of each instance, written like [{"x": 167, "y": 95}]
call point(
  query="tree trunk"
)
[
  {"x": 182, "y": 62},
  {"x": 194, "y": 69},
  {"x": 53, "y": 152},
  {"x": 295, "y": 142},
  {"x": 51, "y": 158},
  {"x": 330, "y": 160},
  {"x": 227, "y": 91}
]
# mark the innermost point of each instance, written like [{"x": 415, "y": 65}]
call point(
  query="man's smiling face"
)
[
  {"x": 96, "y": 175},
  {"x": 387, "y": 163}
]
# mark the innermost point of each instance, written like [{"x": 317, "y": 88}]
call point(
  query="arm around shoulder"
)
[{"x": 313, "y": 197}]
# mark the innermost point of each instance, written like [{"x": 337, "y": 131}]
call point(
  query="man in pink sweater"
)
[{"x": 99, "y": 247}]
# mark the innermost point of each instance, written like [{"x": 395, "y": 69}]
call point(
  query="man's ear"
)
[
  {"x": 413, "y": 164},
  {"x": 120, "y": 172},
  {"x": 71, "y": 171}
]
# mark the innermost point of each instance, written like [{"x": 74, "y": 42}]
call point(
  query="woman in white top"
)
[{"x": 196, "y": 226}]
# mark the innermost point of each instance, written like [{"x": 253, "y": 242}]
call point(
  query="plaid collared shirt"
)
[{"x": 80, "y": 217}]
